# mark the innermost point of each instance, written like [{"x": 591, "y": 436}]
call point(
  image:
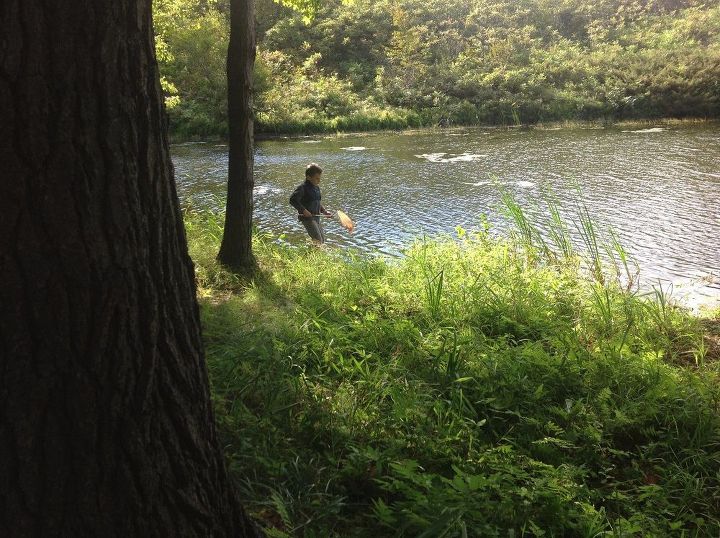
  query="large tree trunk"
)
[
  {"x": 106, "y": 427},
  {"x": 236, "y": 247}
]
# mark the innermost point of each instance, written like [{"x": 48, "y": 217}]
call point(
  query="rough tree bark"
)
[
  {"x": 106, "y": 427},
  {"x": 236, "y": 248}
]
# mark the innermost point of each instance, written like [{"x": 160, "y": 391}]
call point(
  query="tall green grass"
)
[
  {"x": 601, "y": 251},
  {"x": 475, "y": 387}
]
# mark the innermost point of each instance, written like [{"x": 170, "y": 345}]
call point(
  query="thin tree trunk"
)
[
  {"x": 236, "y": 247},
  {"x": 106, "y": 427}
]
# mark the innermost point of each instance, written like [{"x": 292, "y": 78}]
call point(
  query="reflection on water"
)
[{"x": 658, "y": 187}]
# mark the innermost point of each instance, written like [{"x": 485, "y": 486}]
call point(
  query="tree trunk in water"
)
[
  {"x": 236, "y": 247},
  {"x": 106, "y": 427}
]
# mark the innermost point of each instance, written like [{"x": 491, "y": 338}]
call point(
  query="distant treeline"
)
[{"x": 370, "y": 64}]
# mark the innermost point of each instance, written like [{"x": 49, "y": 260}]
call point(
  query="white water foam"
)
[
  {"x": 261, "y": 190},
  {"x": 450, "y": 157},
  {"x": 651, "y": 130},
  {"x": 355, "y": 148}
]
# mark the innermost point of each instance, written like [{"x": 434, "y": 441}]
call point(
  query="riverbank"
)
[
  {"x": 628, "y": 180},
  {"x": 472, "y": 387},
  {"x": 351, "y": 130}
]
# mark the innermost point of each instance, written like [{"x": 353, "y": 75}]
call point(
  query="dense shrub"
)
[{"x": 380, "y": 64}]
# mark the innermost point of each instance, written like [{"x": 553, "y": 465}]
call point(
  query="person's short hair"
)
[{"x": 312, "y": 169}]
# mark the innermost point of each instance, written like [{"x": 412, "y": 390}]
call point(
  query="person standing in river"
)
[{"x": 306, "y": 199}]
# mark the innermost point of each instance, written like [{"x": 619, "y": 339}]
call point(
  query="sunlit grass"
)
[{"x": 473, "y": 387}]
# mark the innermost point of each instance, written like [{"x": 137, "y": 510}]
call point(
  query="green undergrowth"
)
[{"x": 475, "y": 387}]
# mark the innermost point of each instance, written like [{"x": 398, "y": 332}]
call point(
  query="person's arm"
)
[{"x": 295, "y": 201}]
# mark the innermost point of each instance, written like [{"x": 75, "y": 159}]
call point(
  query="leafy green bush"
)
[{"x": 386, "y": 65}]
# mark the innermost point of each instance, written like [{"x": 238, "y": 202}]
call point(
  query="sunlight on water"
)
[
  {"x": 660, "y": 192},
  {"x": 650, "y": 130},
  {"x": 450, "y": 158}
]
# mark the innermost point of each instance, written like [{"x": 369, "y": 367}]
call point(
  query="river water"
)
[{"x": 658, "y": 187}]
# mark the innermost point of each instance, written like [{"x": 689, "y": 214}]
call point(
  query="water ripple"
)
[{"x": 660, "y": 192}]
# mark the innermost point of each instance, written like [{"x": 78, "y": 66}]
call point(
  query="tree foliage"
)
[
  {"x": 456, "y": 61},
  {"x": 191, "y": 40}
]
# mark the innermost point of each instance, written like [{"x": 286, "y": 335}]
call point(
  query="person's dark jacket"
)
[{"x": 307, "y": 196}]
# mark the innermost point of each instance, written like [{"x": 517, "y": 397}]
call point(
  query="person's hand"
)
[
  {"x": 306, "y": 213},
  {"x": 328, "y": 214}
]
